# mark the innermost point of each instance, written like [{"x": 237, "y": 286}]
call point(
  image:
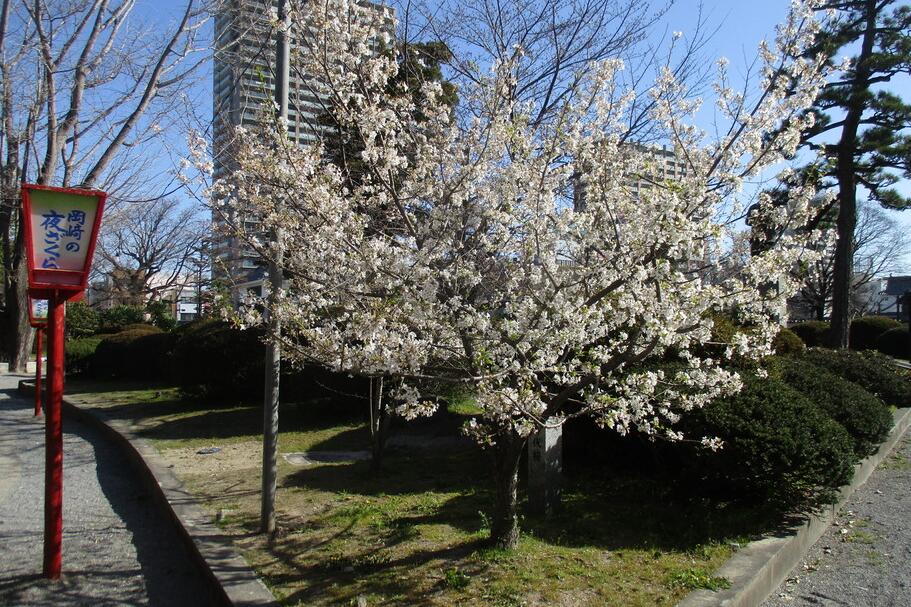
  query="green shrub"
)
[
  {"x": 867, "y": 329},
  {"x": 787, "y": 342},
  {"x": 137, "y": 353},
  {"x": 113, "y": 320},
  {"x": 866, "y": 418},
  {"x": 161, "y": 314},
  {"x": 141, "y": 326},
  {"x": 151, "y": 356},
  {"x": 77, "y": 354},
  {"x": 779, "y": 446},
  {"x": 724, "y": 328},
  {"x": 895, "y": 342},
  {"x": 81, "y": 320},
  {"x": 813, "y": 333},
  {"x": 873, "y": 371},
  {"x": 214, "y": 360}
]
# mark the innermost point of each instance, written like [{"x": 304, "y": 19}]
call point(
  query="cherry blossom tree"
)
[{"x": 542, "y": 259}]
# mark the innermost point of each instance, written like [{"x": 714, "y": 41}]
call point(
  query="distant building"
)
[
  {"x": 664, "y": 165},
  {"x": 897, "y": 287},
  {"x": 244, "y": 86}
]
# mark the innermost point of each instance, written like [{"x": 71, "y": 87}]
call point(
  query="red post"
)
[
  {"x": 39, "y": 332},
  {"x": 53, "y": 470}
]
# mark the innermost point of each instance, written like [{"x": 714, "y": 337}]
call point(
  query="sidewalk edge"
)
[
  {"x": 758, "y": 568},
  {"x": 234, "y": 581}
]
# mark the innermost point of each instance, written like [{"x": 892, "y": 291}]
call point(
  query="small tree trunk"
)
[
  {"x": 504, "y": 525},
  {"x": 20, "y": 334},
  {"x": 844, "y": 262},
  {"x": 379, "y": 423}
]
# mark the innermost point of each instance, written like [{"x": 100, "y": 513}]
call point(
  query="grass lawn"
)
[{"x": 414, "y": 535}]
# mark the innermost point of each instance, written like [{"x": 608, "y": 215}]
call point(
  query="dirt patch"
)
[{"x": 236, "y": 456}]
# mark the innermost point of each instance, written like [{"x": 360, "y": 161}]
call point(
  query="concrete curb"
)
[
  {"x": 234, "y": 583},
  {"x": 758, "y": 568}
]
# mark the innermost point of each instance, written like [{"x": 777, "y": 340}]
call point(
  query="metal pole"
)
[
  {"x": 273, "y": 349},
  {"x": 53, "y": 467},
  {"x": 38, "y": 332}
]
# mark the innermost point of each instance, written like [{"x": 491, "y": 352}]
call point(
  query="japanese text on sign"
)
[{"x": 62, "y": 225}]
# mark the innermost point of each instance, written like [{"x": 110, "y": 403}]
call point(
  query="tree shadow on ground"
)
[
  {"x": 387, "y": 553},
  {"x": 610, "y": 513},
  {"x": 387, "y": 577},
  {"x": 403, "y": 472}
]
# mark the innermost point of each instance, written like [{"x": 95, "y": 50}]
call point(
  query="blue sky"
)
[{"x": 740, "y": 27}]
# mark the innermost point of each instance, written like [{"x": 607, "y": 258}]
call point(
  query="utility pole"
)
[{"x": 273, "y": 349}]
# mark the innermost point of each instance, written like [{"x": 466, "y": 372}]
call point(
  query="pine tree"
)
[{"x": 871, "y": 150}]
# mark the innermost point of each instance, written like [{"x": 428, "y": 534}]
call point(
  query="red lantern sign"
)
[
  {"x": 37, "y": 312},
  {"x": 61, "y": 226}
]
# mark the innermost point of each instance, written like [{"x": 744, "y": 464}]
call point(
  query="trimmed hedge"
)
[
  {"x": 137, "y": 353},
  {"x": 871, "y": 370},
  {"x": 866, "y": 418},
  {"x": 895, "y": 342},
  {"x": 867, "y": 329},
  {"x": 78, "y": 353},
  {"x": 114, "y": 320},
  {"x": 779, "y": 446},
  {"x": 141, "y": 326},
  {"x": 813, "y": 333},
  {"x": 213, "y": 360},
  {"x": 787, "y": 342}
]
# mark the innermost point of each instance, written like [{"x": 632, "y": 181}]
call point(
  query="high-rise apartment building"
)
[{"x": 244, "y": 90}]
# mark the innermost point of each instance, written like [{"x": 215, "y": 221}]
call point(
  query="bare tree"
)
[
  {"x": 561, "y": 41},
  {"x": 148, "y": 250},
  {"x": 83, "y": 88},
  {"x": 880, "y": 243}
]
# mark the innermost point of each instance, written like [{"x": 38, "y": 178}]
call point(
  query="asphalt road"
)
[{"x": 118, "y": 547}]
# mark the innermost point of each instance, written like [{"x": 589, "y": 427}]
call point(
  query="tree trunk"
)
[
  {"x": 379, "y": 424},
  {"x": 847, "y": 187},
  {"x": 844, "y": 258},
  {"x": 19, "y": 331},
  {"x": 504, "y": 525}
]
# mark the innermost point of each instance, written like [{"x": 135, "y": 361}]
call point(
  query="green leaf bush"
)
[
  {"x": 114, "y": 320},
  {"x": 216, "y": 361},
  {"x": 873, "y": 371},
  {"x": 866, "y": 418},
  {"x": 895, "y": 342},
  {"x": 787, "y": 342},
  {"x": 81, "y": 320},
  {"x": 866, "y": 330},
  {"x": 78, "y": 353},
  {"x": 813, "y": 333},
  {"x": 138, "y": 353},
  {"x": 779, "y": 446}
]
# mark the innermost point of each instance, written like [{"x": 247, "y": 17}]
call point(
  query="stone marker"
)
[{"x": 545, "y": 469}]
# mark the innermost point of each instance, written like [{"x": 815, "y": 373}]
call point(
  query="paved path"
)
[
  {"x": 118, "y": 547},
  {"x": 864, "y": 559}
]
